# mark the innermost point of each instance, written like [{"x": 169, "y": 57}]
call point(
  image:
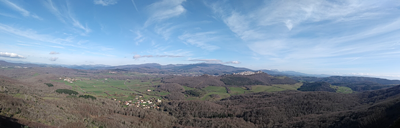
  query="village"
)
[
  {"x": 69, "y": 80},
  {"x": 247, "y": 73},
  {"x": 139, "y": 101}
]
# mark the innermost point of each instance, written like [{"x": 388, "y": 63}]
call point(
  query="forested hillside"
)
[
  {"x": 118, "y": 98},
  {"x": 294, "y": 109}
]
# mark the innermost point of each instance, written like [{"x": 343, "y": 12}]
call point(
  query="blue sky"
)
[{"x": 339, "y": 37}]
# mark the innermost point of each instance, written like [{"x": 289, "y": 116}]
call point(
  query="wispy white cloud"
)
[
  {"x": 215, "y": 61},
  {"x": 45, "y": 38},
  {"x": 21, "y": 10},
  {"x": 66, "y": 16},
  {"x": 232, "y": 62},
  {"x": 75, "y": 22},
  {"x": 56, "y": 46},
  {"x": 53, "y": 53},
  {"x": 165, "y": 50},
  {"x": 150, "y": 56},
  {"x": 139, "y": 37},
  {"x": 53, "y": 9},
  {"x": 200, "y": 40},
  {"x": 207, "y": 60},
  {"x": 24, "y": 44},
  {"x": 165, "y": 30},
  {"x": 53, "y": 58},
  {"x": 134, "y": 5},
  {"x": 7, "y": 15},
  {"x": 11, "y": 55},
  {"x": 34, "y": 35},
  {"x": 278, "y": 28},
  {"x": 164, "y": 9},
  {"x": 105, "y": 2}
]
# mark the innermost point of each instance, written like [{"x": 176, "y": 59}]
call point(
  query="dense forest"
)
[{"x": 316, "y": 86}]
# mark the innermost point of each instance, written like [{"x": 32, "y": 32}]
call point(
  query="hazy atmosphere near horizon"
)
[{"x": 341, "y": 37}]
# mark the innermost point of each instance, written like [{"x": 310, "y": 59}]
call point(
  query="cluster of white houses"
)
[
  {"x": 139, "y": 102},
  {"x": 247, "y": 73},
  {"x": 69, "y": 80}
]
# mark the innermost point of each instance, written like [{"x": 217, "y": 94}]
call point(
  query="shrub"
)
[
  {"x": 87, "y": 97},
  {"x": 49, "y": 84},
  {"x": 195, "y": 92},
  {"x": 67, "y": 91}
]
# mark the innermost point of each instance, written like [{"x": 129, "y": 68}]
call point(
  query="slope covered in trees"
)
[
  {"x": 316, "y": 86},
  {"x": 295, "y": 109},
  {"x": 353, "y": 82},
  {"x": 228, "y": 80}
]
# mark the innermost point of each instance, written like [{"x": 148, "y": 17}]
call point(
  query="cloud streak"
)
[
  {"x": 134, "y": 5},
  {"x": 164, "y": 9},
  {"x": 53, "y": 53},
  {"x": 21, "y": 10},
  {"x": 11, "y": 55},
  {"x": 200, "y": 40},
  {"x": 105, "y": 2},
  {"x": 150, "y": 56},
  {"x": 34, "y": 35},
  {"x": 290, "y": 30},
  {"x": 66, "y": 16},
  {"x": 139, "y": 37},
  {"x": 215, "y": 61}
]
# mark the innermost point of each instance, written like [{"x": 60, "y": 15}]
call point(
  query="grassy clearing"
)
[
  {"x": 215, "y": 89},
  {"x": 51, "y": 98},
  {"x": 18, "y": 95},
  {"x": 36, "y": 74},
  {"x": 220, "y": 91},
  {"x": 163, "y": 93},
  {"x": 221, "y": 95},
  {"x": 341, "y": 89},
  {"x": 263, "y": 88},
  {"x": 118, "y": 89},
  {"x": 288, "y": 86},
  {"x": 237, "y": 90},
  {"x": 280, "y": 77},
  {"x": 192, "y": 98},
  {"x": 188, "y": 88},
  {"x": 275, "y": 87}
]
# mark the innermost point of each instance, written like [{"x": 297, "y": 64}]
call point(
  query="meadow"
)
[
  {"x": 223, "y": 93},
  {"x": 342, "y": 89},
  {"x": 116, "y": 89}
]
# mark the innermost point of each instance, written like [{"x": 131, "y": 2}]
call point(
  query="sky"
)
[{"x": 337, "y": 37}]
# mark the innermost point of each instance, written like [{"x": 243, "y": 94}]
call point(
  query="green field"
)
[
  {"x": 221, "y": 96},
  {"x": 119, "y": 89},
  {"x": 220, "y": 91},
  {"x": 215, "y": 89},
  {"x": 36, "y": 74},
  {"x": 263, "y": 88},
  {"x": 130, "y": 89},
  {"x": 223, "y": 93},
  {"x": 187, "y": 88},
  {"x": 341, "y": 89},
  {"x": 275, "y": 87},
  {"x": 237, "y": 90}
]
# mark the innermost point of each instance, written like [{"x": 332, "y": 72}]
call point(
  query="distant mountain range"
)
[
  {"x": 189, "y": 69},
  {"x": 291, "y": 73}
]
